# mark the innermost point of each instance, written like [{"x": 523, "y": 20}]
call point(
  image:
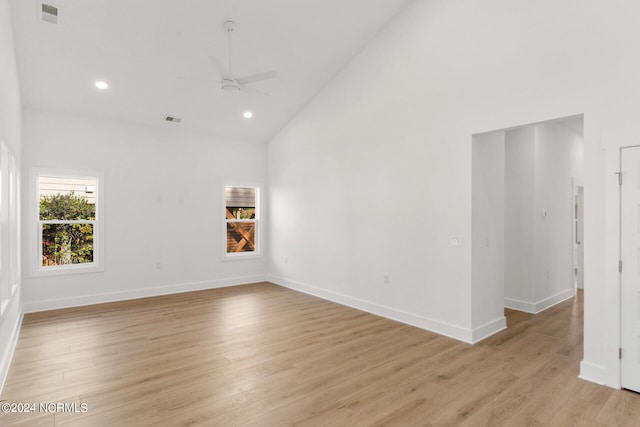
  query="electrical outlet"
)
[
  {"x": 386, "y": 279},
  {"x": 456, "y": 241}
]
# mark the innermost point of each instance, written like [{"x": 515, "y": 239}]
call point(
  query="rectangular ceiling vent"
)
[
  {"x": 49, "y": 13},
  {"x": 173, "y": 119}
]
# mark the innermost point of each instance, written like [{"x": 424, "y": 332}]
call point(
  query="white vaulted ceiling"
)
[{"x": 152, "y": 53}]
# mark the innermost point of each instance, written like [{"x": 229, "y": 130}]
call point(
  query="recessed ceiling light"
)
[
  {"x": 102, "y": 85},
  {"x": 248, "y": 114}
]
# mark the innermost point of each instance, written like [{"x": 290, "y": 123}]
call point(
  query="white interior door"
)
[{"x": 630, "y": 276}]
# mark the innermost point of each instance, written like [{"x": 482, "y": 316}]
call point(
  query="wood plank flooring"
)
[{"x": 262, "y": 355}]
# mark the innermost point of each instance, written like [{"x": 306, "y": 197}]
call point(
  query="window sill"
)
[
  {"x": 241, "y": 256},
  {"x": 66, "y": 270}
]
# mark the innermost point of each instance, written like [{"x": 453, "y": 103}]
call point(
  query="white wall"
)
[
  {"x": 488, "y": 233},
  {"x": 542, "y": 162},
  {"x": 520, "y": 183},
  {"x": 374, "y": 176},
  {"x": 557, "y": 147},
  {"x": 162, "y": 200},
  {"x": 10, "y": 112}
]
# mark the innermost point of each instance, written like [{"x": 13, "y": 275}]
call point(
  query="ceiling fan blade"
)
[
  {"x": 257, "y": 77},
  {"x": 222, "y": 71},
  {"x": 252, "y": 91},
  {"x": 199, "y": 79}
]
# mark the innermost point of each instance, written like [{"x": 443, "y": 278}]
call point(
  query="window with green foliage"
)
[{"x": 67, "y": 220}]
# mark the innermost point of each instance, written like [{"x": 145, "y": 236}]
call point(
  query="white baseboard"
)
[
  {"x": 54, "y": 304},
  {"x": 555, "y": 299},
  {"x": 537, "y": 307},
  {"x": 7, "y": 354},
  {"x": 514, "y": 304},
  {"x": 592, "y": 372},
  {"x": 442, "y": 328},
  {"x": 488, "y": 329}
]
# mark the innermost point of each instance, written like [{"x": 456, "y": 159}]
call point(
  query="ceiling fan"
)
[{"x": 230, "y": 82}]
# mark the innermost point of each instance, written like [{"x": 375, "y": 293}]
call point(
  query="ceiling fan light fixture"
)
[
  {"x": 230, "y": 85},
  {"x": 230, "y": 26}
]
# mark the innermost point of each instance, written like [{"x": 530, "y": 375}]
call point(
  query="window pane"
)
[
  {"x": 240, "y": 237},
  {"x": 241, "y": 213},
  {"x": 67, "y": 198},
  {"x": 64, "y": 244},
  {"x": 244, "y": 197}
]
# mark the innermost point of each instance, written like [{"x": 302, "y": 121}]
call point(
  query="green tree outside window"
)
[{"x": 66, "y": 243}]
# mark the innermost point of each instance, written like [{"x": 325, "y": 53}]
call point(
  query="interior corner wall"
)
[
  {"x": 488, "y": 234},
  {"x": 10, "y": 110},
  {"x": 10, "y": 134},
  {"x": 162, "y": 205},
  {"x": 520, "y": 146},
  {"x": 373, "y": 177}
]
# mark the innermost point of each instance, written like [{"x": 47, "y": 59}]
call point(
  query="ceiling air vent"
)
[
  {"x": 49, "y": 13},
  {"x": 173, "y": 119}
]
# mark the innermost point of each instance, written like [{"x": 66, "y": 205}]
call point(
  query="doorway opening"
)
[{"x": 527, "y": 192}]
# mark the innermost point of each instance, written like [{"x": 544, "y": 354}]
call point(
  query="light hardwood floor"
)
[{"x": 262, "y": 355}]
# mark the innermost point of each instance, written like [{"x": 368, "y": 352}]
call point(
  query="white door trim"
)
[
  {"x": 613, "y": 142},
  {"x": 629, "y": 246}
]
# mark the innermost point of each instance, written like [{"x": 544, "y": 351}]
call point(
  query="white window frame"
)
[
  {"x": 35, "y": 230},
  {"x": 5, "y": 283},
  {"x": 15, "y": 243},
  {"x": 9, "y": 227},
  {"x": 258, "y": 229}
]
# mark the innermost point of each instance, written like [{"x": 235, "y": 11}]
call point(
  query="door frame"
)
[
  {"x": 613, "y": 142},
  {"x": 578, "y": 225},
  {"x": 624, "y": 338}
]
